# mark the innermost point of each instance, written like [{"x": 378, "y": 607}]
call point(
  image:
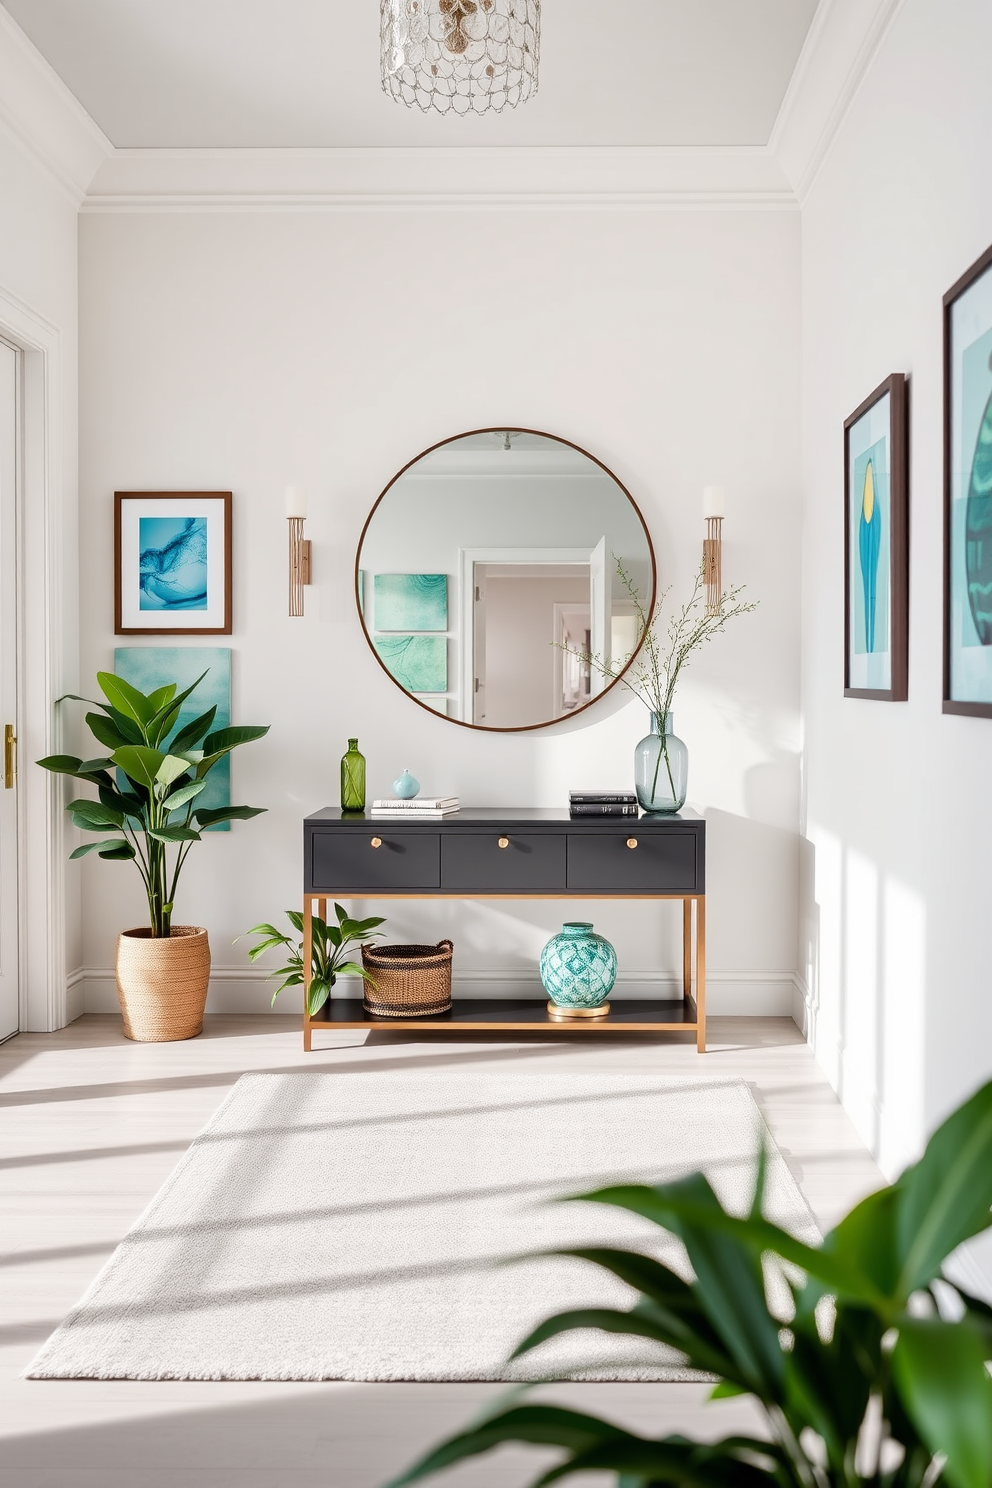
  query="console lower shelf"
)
[{"x": 506, "y": 1014}]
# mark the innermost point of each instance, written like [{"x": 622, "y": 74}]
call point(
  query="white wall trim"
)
[
  {"x": 238, "y": 989},
  {"x": 365, "y": 179},
  {"x": 41, "y": 832},
  {"x": 841, "y": 44},
  {"x": 39, "y": 113}
]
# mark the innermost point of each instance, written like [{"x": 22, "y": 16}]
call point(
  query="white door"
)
[
  {"x": 599, "y": 612},
  {"x": 9, "y": 413},
  {"x": 477, "y": 711}
]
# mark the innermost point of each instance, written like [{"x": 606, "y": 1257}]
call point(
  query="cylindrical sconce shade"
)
[
  {"x": 296, "y": 501},
  {"x": 713, "y": 501}
]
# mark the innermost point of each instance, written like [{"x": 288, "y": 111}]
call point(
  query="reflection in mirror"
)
[{"x": 486, "y": 561}]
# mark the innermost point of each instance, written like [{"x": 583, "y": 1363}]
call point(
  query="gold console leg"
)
[
  {"x": 307, "y": 970},
  {"x": 686, "y": 947},
  {"x": 701, "y": 974}
]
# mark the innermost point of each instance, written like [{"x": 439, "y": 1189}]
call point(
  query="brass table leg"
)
[
  {"x": 701, "y": 974},
  {"x": 307, "y": 970},
  {"x": 686, "y": 948}
]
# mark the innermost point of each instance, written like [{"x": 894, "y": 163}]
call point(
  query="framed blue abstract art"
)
[
  {"x": 149, "y": 667},
  {"x": 172, "y": 562},
  {"x": 876, "y": 546},
  {"x": 968, "y": 492}
]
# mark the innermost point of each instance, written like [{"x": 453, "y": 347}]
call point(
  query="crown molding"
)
[
  {"x": 842, "y": 42},
  {"x": 38, "y": 113},
  {"x": 355, "y": 179}
]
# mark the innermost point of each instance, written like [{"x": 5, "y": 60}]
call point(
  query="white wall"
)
[
  {"x": 898, "y": 805},
  {"x": 241, "y": 350}
]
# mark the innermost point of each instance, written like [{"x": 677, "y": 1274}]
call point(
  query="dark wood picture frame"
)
[
  {"x": 897, "y": 388},
  {"x": 225, "y": 499},
  {"x": 981, "y": 266}
]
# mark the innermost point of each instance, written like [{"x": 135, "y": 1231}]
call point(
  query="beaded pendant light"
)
[{"x": 460, "y": 56}]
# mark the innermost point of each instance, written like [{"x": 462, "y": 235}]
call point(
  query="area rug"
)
[{"x": 353, "y": 1226}]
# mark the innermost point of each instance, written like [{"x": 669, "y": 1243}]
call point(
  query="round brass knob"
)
[
  {"x": 631, "y": 841},
  {"x": 376, "y": 841},
  {"x": 504, "y": 842}
]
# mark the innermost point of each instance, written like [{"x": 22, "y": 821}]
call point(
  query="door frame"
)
[{"x": 46, "y": 532}]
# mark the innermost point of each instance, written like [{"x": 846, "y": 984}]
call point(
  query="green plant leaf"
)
[
  {"x": 111, "y": 733},
  {"x": 173, "y": 834},
  {"x": 167, "y": 713},
  {"x": 94, "y": 815},
  {"x": 60, "y": 764},
  {"x": 194, "y": 733},
  {"x": 139, "y": 763},
  {"x": 121, "y": 850},
  {"x": 352, "y": 968},
  {"x": 545, "y": 1425},
  {"x": 208, "y": 817},
  {"x": 674, "y": 1461},
  {"x": 88, "y": 847},
  {"x": 161, "y": 696},
  {"x": 95, "y": 767},
  {"x": 126, "y": 699},
  {"x": 226, "y": 739},
  {"x": 319, "y": 992},
  {"x": 946, "y": 1197},
  {"x": 939, "y": 1371},
  {"x": 184, "y": 794},
  {"x": 170, "y": 769}
]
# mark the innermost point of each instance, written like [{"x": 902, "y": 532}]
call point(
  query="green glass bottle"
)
[{"x": 353, "y": 779}]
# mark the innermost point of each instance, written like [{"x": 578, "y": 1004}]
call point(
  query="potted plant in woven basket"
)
[{"x": 147, "y": 782}]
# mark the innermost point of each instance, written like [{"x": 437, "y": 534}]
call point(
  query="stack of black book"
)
[{"x": 602, "y": 803}]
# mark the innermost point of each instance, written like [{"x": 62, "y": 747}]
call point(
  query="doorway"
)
[{"x": 10, "y": 406}]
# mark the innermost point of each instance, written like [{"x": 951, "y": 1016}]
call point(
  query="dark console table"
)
[{"x": 513, "y": 854}]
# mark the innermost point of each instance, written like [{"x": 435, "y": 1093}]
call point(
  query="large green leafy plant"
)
[
  {"x": 874, "y": 1373},
  {"x": 329, "y": 959},
  {"x": 154, "y": 812}
]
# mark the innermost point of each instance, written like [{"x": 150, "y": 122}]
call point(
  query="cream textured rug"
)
[{"x": 345, "y": 1226}]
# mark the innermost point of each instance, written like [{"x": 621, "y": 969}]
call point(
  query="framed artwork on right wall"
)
[
  {"x": 968, "y": 492},
  {"x": 876, "y": 546}
]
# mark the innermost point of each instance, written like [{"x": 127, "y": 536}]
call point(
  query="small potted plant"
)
[
  {"x": 147, "y": 782},
  {"x": 331, "y": 947}
]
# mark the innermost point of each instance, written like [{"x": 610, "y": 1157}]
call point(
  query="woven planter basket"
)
[
  {"x": 162, "y": 983},
  {"x": 411, "y": 981}
]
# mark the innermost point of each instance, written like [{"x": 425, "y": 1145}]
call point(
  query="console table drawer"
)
[
  {"x": 527, "y": 864},
  {"x": 661, "y": 863},
  {"x": 346, "y": 862}
]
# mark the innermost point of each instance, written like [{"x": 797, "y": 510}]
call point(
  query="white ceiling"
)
[{"x": 305, "y": 73}]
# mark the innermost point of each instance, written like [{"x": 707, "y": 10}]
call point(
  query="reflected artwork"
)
[{"x": 418, "y": 662}]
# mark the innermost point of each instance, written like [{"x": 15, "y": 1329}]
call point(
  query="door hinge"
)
[{"x": 9, "y": 756}]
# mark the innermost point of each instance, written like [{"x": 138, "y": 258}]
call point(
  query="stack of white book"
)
[{"x": 420, "y": 806}]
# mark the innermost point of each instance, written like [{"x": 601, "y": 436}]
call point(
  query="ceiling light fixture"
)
[{"x": 460, "y": 56}]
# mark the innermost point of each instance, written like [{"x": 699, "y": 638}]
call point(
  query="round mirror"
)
[{"x": 487, "y": 568}]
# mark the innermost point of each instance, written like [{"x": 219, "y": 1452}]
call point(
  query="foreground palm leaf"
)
[
  {"x": 164, "y": 777},
  {"x": 876, "y": 1378}
]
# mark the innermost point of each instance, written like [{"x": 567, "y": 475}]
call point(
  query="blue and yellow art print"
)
[
  {"x": 969, "y": 630},
  {"x": 410, "y": 601},
  {"x": 418, "y": 662},
  {"x": 148, "y": 667},
  {"x": 869, "y": 547}
]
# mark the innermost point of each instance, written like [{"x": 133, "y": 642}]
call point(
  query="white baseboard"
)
[{"x": 236, "y": 989}]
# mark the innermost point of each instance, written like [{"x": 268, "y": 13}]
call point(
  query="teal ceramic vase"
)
[
  {"x": 661, "y": 768},
  {"x": 406, "y": 786},
  {"x": 578, "y": 967}
]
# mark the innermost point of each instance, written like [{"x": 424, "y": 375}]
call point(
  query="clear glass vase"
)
[{"x": 661, "y": 768}]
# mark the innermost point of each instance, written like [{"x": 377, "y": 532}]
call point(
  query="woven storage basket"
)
[
  {"x": 162, "y": 983},
  {"x": 411, "y": 981}
]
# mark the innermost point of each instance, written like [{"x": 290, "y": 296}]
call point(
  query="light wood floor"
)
[{"x": 92, "y": 1125}]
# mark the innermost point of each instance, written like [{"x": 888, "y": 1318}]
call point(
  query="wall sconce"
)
[
  {"x": 299, "y": 547},
  {"x": 712, "y": 547}
]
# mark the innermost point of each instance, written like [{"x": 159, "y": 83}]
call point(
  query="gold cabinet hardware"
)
[
  {"x": 631, "y": 842},
  {"x": 504, "y": 841},
  {"x": 9, "y": 756},
  {"x": 376, "y": 841}
]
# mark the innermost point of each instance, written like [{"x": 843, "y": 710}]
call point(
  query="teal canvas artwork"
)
[
  {"x": 410, "y": 601},
  {"x": 418, "y": 662},
  {"x": 148, "y": 667},
  {"x": 969, "y": 629}
]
